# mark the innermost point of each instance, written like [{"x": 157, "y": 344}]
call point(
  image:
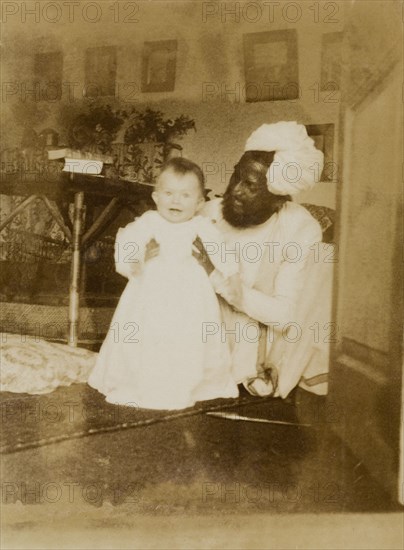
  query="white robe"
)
[
  {"x": 287, "y": 288},
  {"x": 164, "y": 349}
]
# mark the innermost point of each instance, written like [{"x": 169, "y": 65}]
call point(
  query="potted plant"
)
[
  {"x": 90, "y": 127},
  {"x": 138, "y": 141},
  {"x": 146, "y": 140}
]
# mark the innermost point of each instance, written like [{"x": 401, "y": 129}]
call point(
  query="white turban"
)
[{"x": 297, "y": 164}]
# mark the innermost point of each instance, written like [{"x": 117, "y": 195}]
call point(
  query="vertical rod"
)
[{"x": 74, "y": 293}]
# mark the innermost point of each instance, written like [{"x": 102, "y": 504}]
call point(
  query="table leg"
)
[{"x": 74, "y": 294}]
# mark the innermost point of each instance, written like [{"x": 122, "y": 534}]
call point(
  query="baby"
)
[{"x": 164, "y": 356}]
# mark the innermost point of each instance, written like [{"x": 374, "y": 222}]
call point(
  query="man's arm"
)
[
  {"x": 199, "y": 253},
  {"x": 215, "y": 246},
  {"x": 280, "y": 306},
  {"x": 210, "y": 210}
]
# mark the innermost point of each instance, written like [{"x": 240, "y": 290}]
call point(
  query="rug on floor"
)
[{"x": 78, "y": 410}]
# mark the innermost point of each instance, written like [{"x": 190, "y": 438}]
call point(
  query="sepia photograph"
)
[{"x": 201, "y": 275}]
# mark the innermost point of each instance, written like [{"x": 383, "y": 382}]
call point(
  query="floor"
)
[{"x": 197, "y": 462}]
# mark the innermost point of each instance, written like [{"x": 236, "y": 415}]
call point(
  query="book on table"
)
[
  {"x": 83, "y": 166},
  {"x": 80, "y": 162}
]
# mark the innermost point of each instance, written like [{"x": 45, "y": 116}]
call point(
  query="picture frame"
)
[
  {"x": 100, "y": 71},
  {"x": 159, "y": 66},
  {"x": 271, "y": 65},
  {"x": 331, "y": 61},
  {"x": 48, "y": 72},
  {"x": 323, "y": 136}
]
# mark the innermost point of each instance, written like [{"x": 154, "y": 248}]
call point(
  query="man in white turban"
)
[{"x": 276, "y": 242}]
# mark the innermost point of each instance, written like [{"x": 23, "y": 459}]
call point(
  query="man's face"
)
[{"x": 247, "y": 200}]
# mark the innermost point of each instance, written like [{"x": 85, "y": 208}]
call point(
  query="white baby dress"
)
[{"x": 165, "y": 347}]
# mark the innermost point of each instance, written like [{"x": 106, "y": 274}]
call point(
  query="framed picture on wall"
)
[
  {"x": 331, "y": 44},
  {"x": 48, "y": 72},
  {"x": 100, "y": 71},
  {"x": 158, "y": 66},
  {"x": 323, "y": 136},
  {"x": 271, "y": 65}
]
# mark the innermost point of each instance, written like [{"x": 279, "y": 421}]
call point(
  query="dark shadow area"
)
[{"x": 169, "y": 462}]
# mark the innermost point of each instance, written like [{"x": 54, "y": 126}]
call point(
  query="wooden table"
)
[{"x": 57, "y": 191}]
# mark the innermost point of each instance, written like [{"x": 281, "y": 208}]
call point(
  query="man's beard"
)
[{"x": 246, "y": 214}]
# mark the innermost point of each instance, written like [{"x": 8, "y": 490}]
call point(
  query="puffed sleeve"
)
[
  {"x": 215, "y": 247},
  {"x": 279, "y": 308},
  {"x": 130, "y": 244}
]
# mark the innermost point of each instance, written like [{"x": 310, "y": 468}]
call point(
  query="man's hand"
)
[
  {"x": 200, "y": 254},
  {"x": 152, "y": 250}
]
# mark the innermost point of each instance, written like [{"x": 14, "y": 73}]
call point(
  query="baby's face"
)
[{"x": 177, "y": 196}]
